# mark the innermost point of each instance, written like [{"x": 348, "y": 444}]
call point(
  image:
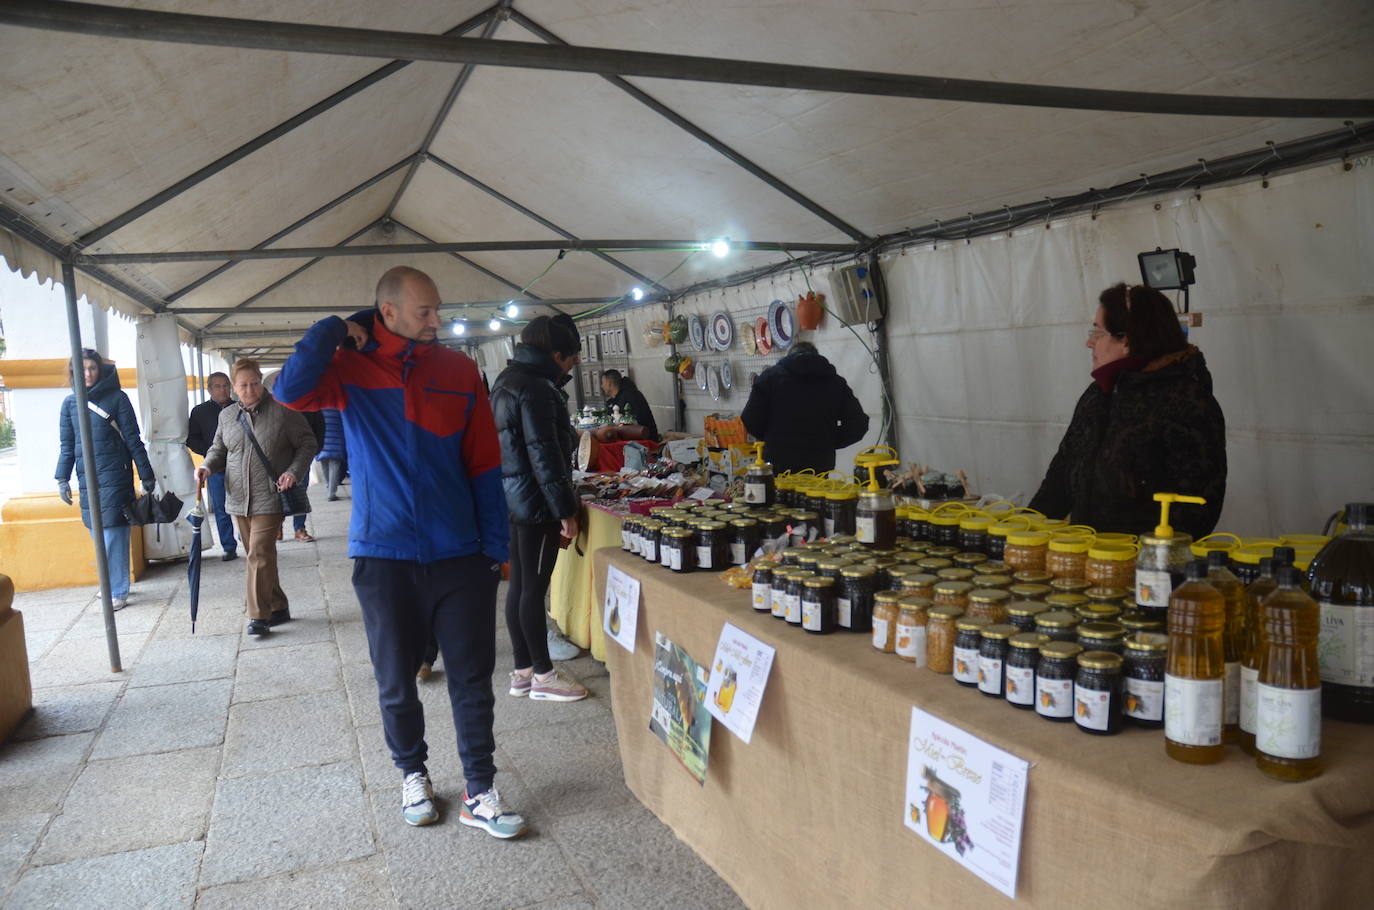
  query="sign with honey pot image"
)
[
  {"x": 620, "y": 612},
  {"x": 739, "y": 674},
  {"x": 967, "y": 798}
]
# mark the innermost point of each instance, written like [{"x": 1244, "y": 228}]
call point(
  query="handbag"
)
[{"x": 293, "y": 501}]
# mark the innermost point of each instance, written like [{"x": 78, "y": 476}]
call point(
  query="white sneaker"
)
[
  {"x": 417, "y": 800},
  {"x": 485, "y": 810},
  {"x": 118, "y": 604},
  {"x": 560, "y": 648}
]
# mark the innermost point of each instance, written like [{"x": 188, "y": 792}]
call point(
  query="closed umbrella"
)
[{"x": 196, "y": 517}]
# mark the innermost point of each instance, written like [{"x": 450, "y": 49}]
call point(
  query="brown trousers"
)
[{"x": 259, "y": 536}]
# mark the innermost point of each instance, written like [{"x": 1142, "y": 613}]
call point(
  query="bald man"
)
[{"x": 429, "y": 530}]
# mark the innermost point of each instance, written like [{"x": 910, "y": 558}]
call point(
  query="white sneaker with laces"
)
[
  {"x": 485, "y": 810},
  {"x": 417, "y": 800}
]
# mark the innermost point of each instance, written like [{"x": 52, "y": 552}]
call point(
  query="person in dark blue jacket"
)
[
  {"x": 428, "y": 532},
  {"x": 114, "y": 436},
  {"x": 334, "y": 452}
]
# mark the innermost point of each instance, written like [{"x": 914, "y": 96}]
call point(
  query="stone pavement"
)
[{"x": 221, "y": 771}]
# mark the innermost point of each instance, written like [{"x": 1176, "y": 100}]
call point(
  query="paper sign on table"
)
[
  {"x": 676, "y": 715},
  {"x": 739, "y": 674},
  {"x": 966, "y": 797},
  {"x": 620, "y": 612}
]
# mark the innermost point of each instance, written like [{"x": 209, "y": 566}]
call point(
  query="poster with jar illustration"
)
[
  {"x": 739, "y": 674},
  {"x": 967, "y": 798},
  {"x": 678, "y": 715},
  {"x": 620, "y": 612}
]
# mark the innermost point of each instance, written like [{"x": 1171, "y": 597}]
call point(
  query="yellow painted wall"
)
[
  {"x": 51, "y": 373},
  {"x": 43, "y": 545}
]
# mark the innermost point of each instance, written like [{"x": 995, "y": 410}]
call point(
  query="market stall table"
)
[
  {"x": 572, "y": 603},
  {"x": 809, "y": 813}
]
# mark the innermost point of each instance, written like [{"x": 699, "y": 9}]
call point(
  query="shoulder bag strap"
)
[
  {"x": 106, "y": 416},
  {"x": 248, "y": 428}
]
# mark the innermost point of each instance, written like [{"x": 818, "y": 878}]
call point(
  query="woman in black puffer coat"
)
[
  {"x": 1147, "y": 424},
  {"x": 537, "y": 443},
  {"x": 117, "y": 445}
]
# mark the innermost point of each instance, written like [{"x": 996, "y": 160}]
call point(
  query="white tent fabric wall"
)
[
  {"x": 163, "y": 415},
  {"x": 987, "y": 339}
]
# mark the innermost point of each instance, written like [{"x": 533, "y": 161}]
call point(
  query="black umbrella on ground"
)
[{"x": 196, "y": 517}]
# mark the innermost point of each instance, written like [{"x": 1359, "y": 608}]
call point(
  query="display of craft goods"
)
[
  {"x": 1193, "y": 679},
  {"x": 1288, "y": 714},
  {"x": 1341, "y": 579}
]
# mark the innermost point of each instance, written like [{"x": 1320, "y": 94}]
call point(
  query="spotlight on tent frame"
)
[
  {"x": 637, "y": 293},
  {"x": 459, "y": 327},
  {"x": 720, "y": 247},
  {"x": 1167, "y": 270},
  {"x": 512, "y": 309},
  {"x": 494, "y": 325}
]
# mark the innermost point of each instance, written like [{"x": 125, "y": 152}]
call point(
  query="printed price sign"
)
[{"x": 620, "y": 612}]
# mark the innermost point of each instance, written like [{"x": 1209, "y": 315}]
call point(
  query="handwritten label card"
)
[
  {"x": 620, "y": 612},
  {"x": 967, "y": 798},
  {"x": 739, "y": 674}
]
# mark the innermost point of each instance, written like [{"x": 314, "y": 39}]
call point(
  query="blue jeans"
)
[
  {"x": 117, "y": 557},
  {"x": 298, "y": 521},
  {"x": 225, "y": 524}
]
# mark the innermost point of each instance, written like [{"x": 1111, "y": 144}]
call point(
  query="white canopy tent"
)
[{"x": 212, "y": 139}]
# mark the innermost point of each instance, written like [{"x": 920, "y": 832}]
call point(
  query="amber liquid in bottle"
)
[
  {"x": 1195, "y": 670},
  {"x": 1342, "y": 582},
  {"x": 1220, "y": 576},
  {"x": 1288, "y": 723},
  {"x": 1249, "y": 656}
]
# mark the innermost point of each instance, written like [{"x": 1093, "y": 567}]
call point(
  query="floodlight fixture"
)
[
  {"x": 1167, "y": 270},
  {"x": 637, "y": 293},
  {"x": 512, "y": 310}
]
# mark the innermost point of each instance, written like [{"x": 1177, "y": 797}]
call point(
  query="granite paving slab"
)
[
  {"x": 56, "y": 614},
  {"x": 166, "y": 719},
  {"x": 283, "y": 733},
  {"x": 310, "y": 628},
  {"x": 86, "y": 660},
  {"x": 18, "y": 834},
  {"x": 69, "y": 709},
  {"x": 570, "y": 767},
  {"x": 362, "y": 885},
  {"x": 294, "y": 669},
  {"x": 161, "y": 877},
  {"x": 136, "y": 617},
  {"x": 178, "y": 660},
  {"x": 34, "y": 775}
]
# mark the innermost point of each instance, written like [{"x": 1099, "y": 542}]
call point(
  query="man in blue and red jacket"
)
[{"x": 429, "y": 528}]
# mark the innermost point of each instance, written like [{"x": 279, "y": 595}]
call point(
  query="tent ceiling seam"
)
[{"x": 470, "y": 263}]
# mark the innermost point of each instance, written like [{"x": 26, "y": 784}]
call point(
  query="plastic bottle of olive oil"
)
[
  {"x": 1220, "y": 576},
  {"x": 1288, "y": 716},
  {"x": 1341, "y": 578},
  {"x": 1195, "y": 669}
]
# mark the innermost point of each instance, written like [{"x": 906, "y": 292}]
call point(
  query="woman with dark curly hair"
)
[{"x": 1147, "y": 424}]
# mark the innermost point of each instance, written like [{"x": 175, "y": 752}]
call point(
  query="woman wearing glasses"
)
[{"x": 1147, "y": 424}]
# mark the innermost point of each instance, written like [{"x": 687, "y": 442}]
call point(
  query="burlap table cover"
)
[{"x": 809, "y": 814}]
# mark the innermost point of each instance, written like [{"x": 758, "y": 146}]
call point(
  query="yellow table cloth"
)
[{"x": 572, "y": 598}]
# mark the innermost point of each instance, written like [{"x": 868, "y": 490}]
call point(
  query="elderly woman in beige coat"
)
[{"x": 251, "y": 490}]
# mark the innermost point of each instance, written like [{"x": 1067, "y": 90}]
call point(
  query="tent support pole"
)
[
  {"x": 92, "y": 498},
  {"x": 889, "y": 406}
]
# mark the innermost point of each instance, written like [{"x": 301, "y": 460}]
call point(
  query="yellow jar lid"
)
[
  {"x": 1116, "y": 537},
  {"x": 1064, "y": 650},
  {"x": 1028, "y": 538},
  {"x": 1148, "y": 641},
  {"x": 1304, "y": 540},
  {"x": 946, "y": 612},
  {"x": 1251, "y": 555},
  {"x": 1070, "y": 543},
  {"x": 1003, "y": 528},
  {"x": 919, "y": 580},
  {"x": 915, "y": 602},
  {"x": 1028, "y": 639},
  {"x": 843, "y": 494},
  {"x": 1113, "y": 552},
  {"x": 1049, "y": 524},
  {"x": 1099, "y": 612},
  {"x": 887, "y": 597},
  {"x": 859, "y": 571},
  {"x": 971, "y": 623},
  {"x": 1101, "y": 631},
  {"x": 947, "y": 520},
  {"x": 976, "y": 523},
  {"x": 1099, "y": 660},
  {"x": 1057, "y": 619},
  {"x": 1000, "y": 630},
  {"x": 818, "y": 582}
]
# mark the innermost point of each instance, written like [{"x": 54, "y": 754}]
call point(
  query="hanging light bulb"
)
[
  {"x": 494, "y": 325},
  {"x": 637, "y": 293},
  {"x": 720, "y": 247},
  {"x": 511, "y": 309},
  {"x": 459, "y": 326}
]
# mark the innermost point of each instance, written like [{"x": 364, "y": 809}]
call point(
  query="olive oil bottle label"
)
[
  {"x": 842, "y": 613},
  {"x": 1345, "y": 648},
  {"x": 866, "y": 529},
  {"x": 1249, "y": 678},
  {"x": 965, "y": 664},
  {"x": 1145, "y": 699},
  {"x": 1230, "y": 706},
  {"x": 1054, "y": 697},
  {"x": 989, "y": 675},
  {"x": 1289, "y": 721},
  {"x": 1153, "y": 587},
  {"x": 1020, "y": 685},
  {"x": 1092, "y": 707},
  {"x": 763, "y": 595},
  {"x": 911, "y": 643},
  {"x": 1192, "y": 710},
  {"x": 881, "y": 631}
]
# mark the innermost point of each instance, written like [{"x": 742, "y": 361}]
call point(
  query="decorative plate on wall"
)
[
  {"x": 727, "y": 376},
  {"x": 782, "y": 324},
  {"x": 713, "y": 383},
  {"x": 722, "y": 331},
  {"x": 697, "y": 332}
]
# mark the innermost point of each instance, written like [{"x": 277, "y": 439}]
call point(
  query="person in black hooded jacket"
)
[
  {"x": 803, "y": 411},
  {"x": 1147, "y": 424},
  {"x": 537, "y": 443}
]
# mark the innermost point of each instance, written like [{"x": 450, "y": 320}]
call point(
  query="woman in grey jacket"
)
[{"x": 251, "y": 489}]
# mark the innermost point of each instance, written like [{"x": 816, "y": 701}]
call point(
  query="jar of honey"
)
[
  {"x": 1054, "y": 678},
  {"x": 1070, "y": 586},
  {"x": 989, "y": 602},
  {"x": 992, "y": 658},
  {"x": 885, "y": 610},
  {"x": 1106, "y": 594},
  {"x": 1111, "y": 565},
  {"x": 952, "y": 594},
  {"x": 1058, "y": 625},
  {"x": 1023, "y": 655},
  {"x": 761, "y": 588},
  {"x": 940, "y": 633},
  {"x": 1026, "y": 550},
  {"x": 919, "y": 584},
  {"x": 854, "y": 600},
  {"x": 1091, "y": 612},
  {"x": 1022, "y": 613},
  {"x": 911, "y": 629},
  {"x": 1001, "y": 582},
  {"x": 1024, "y": 591},
  {"x": 818, "y": 605},
  {"x": 955, "y": 573},
  {"x": 1032, "y": 577},
  {"x": 967, "y": 643},
  {"x": 974, "y": 561},
  {"x": 1067, "y": 556},
  {"x": 1070, "y": 602},
  {"x": 1102, "y": 636},
  {"x": 973, "y": 534}
]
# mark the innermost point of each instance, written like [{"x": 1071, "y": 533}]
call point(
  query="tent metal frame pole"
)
[
  {"x": 535, "y": 216},
  {"x": 183, "y": 28},
  {"x": 285, "y": 278},
  {"x": 497, "y": 15},
  {"x": 477, "y": 246},
  {"x": 263, "y": 139},
  {"x": 83, "y": 423},
  {"x": 294, "y": 226},
  {"x": 494, "y": 276},
  {"x": 462, "y": 304},
  {"x": 738, "y": 158}
]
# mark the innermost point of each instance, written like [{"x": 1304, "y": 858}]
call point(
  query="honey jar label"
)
[
  {"x": 1092, "y": 707},
  {"x": 911, "y": 643},
  {"x": 763, "y": 594},
  {"x": 704, "y": 557},
  {"x": 675, "y": 559},
  {"x": 624, "y": 539},
  {"x": 651, "y": 551},
  {"x": 1192, "y": 710},
  {"x": 882, "y": 632},
  {"x": 865, "y": 529},
  {"x": 1249, "y": 679},
  {"x": 1054, "y": 697},
  {"x": 737, "y": 555},
  {"x": 1145, "y": 699},
  {"x": 1153, "y": 587},
  {"x": 756, "y": 493},
  {"x": 792, "y": 605},
  {"x": 811, "y": 616},
  {"x": 842, "y": 613},
  {"x": 778, "y": 603},
  {"x": 989, "y": 675},
  {"x": 1230, "y": 693},
  {"x": 966, "y": 664},
  {"x": 1288, "y": 721},
  {"x": 1020, "y": 685},
  {"x": 1345, "y": 645}
]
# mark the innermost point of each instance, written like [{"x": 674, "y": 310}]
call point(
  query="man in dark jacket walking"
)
[
  {"x": 537, "y": 443},
  {"x": 199, "y": 434},
  {"x": 621, "y": 392},
  {"x": 428, "y": 533},
  {"x": 803, "y": 411}
]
